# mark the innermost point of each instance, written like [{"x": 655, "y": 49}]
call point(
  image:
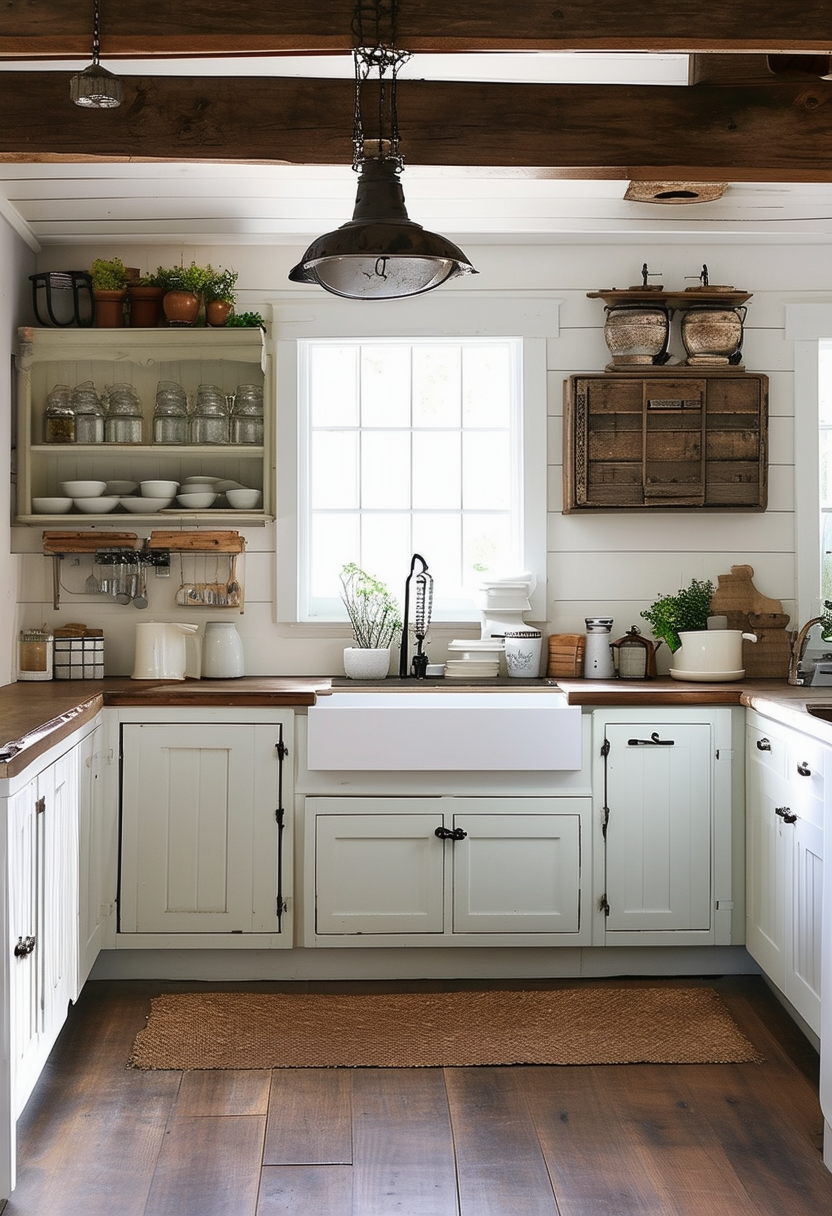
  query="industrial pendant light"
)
[
  {"x": 380, "y": 254},
  {"x": 95, "y": 87}
]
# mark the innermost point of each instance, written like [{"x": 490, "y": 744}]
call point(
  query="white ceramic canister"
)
[
  {"x": 162, "y": 651},
  {"x": 710, "y": 654},
  {"x": 598, "y": 661},
  {"x": 222, "y": 652},
  {"x": 523, "y": 653}
]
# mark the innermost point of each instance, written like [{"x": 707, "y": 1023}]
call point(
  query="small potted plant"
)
[
  {"x": 109, "y": 291},
  {"x": 184, "y": 288},
  {"x": 247, "y": 320},
  {"x": 376, "y": 620},
  {"x": 220, "y": 296},
  {"x": 145, "y": 296},
  {"x": 687, "y": 611}
]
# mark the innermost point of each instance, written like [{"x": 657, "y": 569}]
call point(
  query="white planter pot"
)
[{"x": 362, "y": 663}]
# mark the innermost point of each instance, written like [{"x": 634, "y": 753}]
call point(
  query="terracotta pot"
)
[
  {"x": 109, "y": 308},
  {"x": 181, "y": 307},
  {"x": 217, "y": 312},
  {"x": 145, "y": 306}
]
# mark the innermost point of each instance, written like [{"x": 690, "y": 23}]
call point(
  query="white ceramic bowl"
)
[
  {"x": 159, "y": 489},
  {"x": 201, "y": 479},
  {"x": 142, "y": 505},
  {"x": 222, "y": 487},
  {"x": 242, "y": 499},
  {"x": 51, "y": 506},
  {"x": 120, "y": 487},
  {"x": 199, "y": 487},
  {"x": 83, "y": 489},
  {"x": 196, "y": 502},
  {"x": 97, "y": 506}
]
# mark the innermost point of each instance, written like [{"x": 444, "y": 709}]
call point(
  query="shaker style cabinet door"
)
[
  {"x": 200, "y": 842},
  {"x": 659, "y": 827}
]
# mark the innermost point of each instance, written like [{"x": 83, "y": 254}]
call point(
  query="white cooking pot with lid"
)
[
  {"x": 710, "y": 654},
  {"x": 163, "y": 650}
]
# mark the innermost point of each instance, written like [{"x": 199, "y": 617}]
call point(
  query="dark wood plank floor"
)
[{"x": 100, "y": 1139}]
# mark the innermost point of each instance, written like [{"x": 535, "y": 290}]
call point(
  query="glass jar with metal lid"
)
[
  {"x": 209, "y": 421},
  {"x": 123, "y": 423},
  {"x": 89, "y": 413},
  {"x": 59, "y": 416},
  {"x": 170, "y": 415},
  {"x": 247, "y": 414}
]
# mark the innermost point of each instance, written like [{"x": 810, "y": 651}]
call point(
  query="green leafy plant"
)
[
  {"x": 220, "y": 286},
  {"x": 247, "y": 320},
  {"x": 109, "y": 274},
  {"x": 374, "y": 613},
  {"x": 190, "y": 278},
  {"x": 689, "y": 609}
]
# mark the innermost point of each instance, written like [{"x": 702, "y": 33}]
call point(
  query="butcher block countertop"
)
[{"x": 34, "y": 716}]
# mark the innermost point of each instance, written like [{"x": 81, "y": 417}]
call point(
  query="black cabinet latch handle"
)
[
  {"x": 25, "y": 946},
  {"x": 450, "y": 833},
  {"x": 763, "y": 745},
  {"x": 804, "y": 770},
  {"x": 785, "y": 814},
  {"x": 653, "y": 741}
]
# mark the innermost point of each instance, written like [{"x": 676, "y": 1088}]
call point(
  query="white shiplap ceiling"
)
[{"x": 155, "y": 203}]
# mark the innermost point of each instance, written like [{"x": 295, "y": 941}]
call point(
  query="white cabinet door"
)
[
  {"x": 446, "y": 866},
  {"x": 659, "y": 826},
  {"x": 379, "y": 869},
  {"x": 58, "y": 846},
  {"x": 785, "y": 778},
  {"x": 517, "y": 872},
  {"x": 91, "y": 835},
  {"x": 24, "y": 987},
  {"x": 200, "y": 848}
]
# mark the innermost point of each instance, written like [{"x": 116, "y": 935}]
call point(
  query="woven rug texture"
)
[{"x": 583, "y": 1025}]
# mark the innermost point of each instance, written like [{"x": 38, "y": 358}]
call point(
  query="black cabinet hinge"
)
[
  {"x": 603, "y": 906},
  {"x": 605, "y": 810},
  {"x": 605, "y": 748}
]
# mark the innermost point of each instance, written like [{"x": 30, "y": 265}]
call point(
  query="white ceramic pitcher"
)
[{"x": 222, "y": 652}]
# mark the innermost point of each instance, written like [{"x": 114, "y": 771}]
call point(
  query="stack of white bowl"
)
[
  {"x": 153, "y": 496},
  {"x": 474, "y": 659}
]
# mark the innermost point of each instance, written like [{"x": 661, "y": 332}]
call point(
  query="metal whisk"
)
[{"x": 423, "y": 605}]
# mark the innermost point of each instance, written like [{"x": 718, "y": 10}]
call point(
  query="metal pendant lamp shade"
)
[
  {"x": 95, "y": 88},
  {"x": 380, "y": 254}
]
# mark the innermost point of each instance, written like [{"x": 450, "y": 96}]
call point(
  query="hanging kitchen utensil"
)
[{"x": 423, "y": 606}]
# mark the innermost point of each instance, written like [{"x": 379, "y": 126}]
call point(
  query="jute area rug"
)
[{"x": 583, "y": 1025}]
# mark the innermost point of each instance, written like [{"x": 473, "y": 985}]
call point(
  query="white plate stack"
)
[{"x": 474, "y": 659}]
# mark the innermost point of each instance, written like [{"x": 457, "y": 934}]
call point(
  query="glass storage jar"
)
[
  {"x": 89, "y": 414},
  {"x": 59, "y": 416},
  {"x": 247, "y": 414},
  {"x": 123, "y": 423},
  {"x": 209, "y": 421},
  {"x": 170, "y": 415},
  {"x": 34, "y": 660}
]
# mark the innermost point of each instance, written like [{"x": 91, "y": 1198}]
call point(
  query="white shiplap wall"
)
[{"x": 611, "y": 563}]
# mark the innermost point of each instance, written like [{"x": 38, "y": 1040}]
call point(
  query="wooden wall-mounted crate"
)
[{"x": 666, "y": 438}]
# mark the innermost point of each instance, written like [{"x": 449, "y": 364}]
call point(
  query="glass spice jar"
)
[{"x": 59, "y": 416}]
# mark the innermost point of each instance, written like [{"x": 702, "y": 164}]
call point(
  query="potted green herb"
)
[
  {"x": 109, "y": 291},
  {"x": 220, "y": 296},
  {"x": 376, "y": 620},
  {"x": 145, "y": 297},
  {"x": 184, "y": 288},
  {"x": 249, "y": 320},
  {"x": 688, "y": 610}
]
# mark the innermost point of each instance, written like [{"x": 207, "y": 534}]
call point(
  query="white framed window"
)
[{"x": 393, "y": 443}]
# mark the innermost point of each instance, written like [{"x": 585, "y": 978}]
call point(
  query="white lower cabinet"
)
[
  {"x": 666, "y": 816},
  {"x": 785, "y": 776},
  {"x": 205, "y": 841},
  {"x": 445, "y": 870}
]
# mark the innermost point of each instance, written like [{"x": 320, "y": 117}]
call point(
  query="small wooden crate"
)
[{"x": 566, "y": 654}]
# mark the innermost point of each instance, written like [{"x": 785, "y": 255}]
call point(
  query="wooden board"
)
[
  {"x": 746, "y": 608},
  {"x": 87, "y": 542},
  {"x": 197, "y": 542}
]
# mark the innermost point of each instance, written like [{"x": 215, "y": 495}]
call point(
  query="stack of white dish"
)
[
  {"x": 153, "y": 496},
  {"x": 475, "y": 659}
]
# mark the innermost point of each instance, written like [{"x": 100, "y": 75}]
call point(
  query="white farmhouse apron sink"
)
[{"x": 444, "y": 731}]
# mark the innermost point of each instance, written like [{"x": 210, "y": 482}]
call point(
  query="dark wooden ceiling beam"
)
[
  {"x": 782, "y": 132},
  {"x": 62, "y": 28}
]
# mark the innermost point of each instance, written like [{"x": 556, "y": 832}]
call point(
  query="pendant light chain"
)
[
  {"x": 381, "y": 55},
  {"x": 96, "y": 33}
]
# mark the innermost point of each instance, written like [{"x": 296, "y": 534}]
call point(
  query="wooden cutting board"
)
[{"x": 748, "y": 609}]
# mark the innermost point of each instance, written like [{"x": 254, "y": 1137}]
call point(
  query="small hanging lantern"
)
[
  {"x": 96, "y": 88},
  {"x": 635, "y": 656}
]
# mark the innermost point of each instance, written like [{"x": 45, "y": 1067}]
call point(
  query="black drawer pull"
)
[
  {"x": 24, "y": 947},
  {"x": 763, "y": 745},
  {"x": 804, "y": 770},
  {"x": 785, "y": 814}
]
